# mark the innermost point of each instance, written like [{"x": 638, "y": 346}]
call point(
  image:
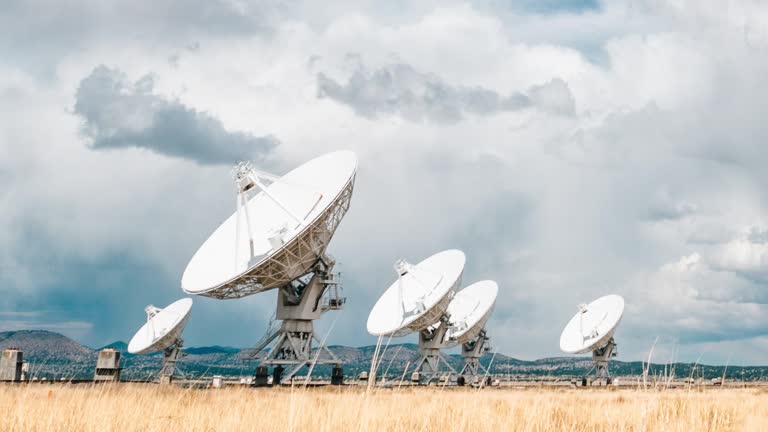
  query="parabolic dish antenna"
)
[
  {"x": 470, "y": 309},
  {"x": 162, "y": 329},
  {"x": 277, "y": 239},
  {"x": 162, "y": 332},
  {"x": 419, "y": 296},
  {"x": 592, "y": 330},
  {"x": 593, "y": 325},
  {"x": 468, "y": 313},
  {"x": 281, "y": 227}
]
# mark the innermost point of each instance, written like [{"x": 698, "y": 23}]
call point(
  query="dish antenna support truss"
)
[
  {"x": 171, "y": 355},
  {"x": 600, "y": 357},
  {"x": 431, "y": 342},
  {"x": 301, "y": 298},
  {"x": 472, "y": 351},
  {"x": 299, "y": 303}
]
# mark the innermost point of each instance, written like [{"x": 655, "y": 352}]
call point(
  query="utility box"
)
[
  {"x": 262, "y": 377},
  {"x": 107, "y": 366},
  {"x": 337, "y": 376},
  {"x": 277, "y": 374},
  {"x": 11, "y": 365},
  {"x": 416, "y": 377},
  {"x": 217, "y": 382}
]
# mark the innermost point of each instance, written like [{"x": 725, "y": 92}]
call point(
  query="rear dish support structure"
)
[
  {"x": 171, "y": 355},
  {"x": 471, "y": 352},
  {"x": 299, "y": 303},
  {"x": 431, "y": 341},
  {"x": 601, "y": 357}
]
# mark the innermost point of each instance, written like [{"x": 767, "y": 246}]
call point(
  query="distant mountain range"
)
[{"x": 55, "y": 356}]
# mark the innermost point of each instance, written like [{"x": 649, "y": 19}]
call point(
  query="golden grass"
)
[{"x": 129, "y": 407}]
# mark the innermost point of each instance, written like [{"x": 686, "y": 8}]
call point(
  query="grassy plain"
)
[{"x": 134, "y": 407}]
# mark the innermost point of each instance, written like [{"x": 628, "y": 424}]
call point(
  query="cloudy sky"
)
[{"x": 570, "y": 148}]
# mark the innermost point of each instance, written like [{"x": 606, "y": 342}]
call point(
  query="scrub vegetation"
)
[{"x": 148, "y": 407}]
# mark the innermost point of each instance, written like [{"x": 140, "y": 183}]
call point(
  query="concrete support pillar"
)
[
  {"x": 11, "y": 364},
  {"x": 107, "y": 366}
]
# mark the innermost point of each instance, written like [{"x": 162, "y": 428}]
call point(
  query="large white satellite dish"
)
[
  {"x": 419, "y": 296},
  {"x": 592, "y": 330},
  {"x": 162, "y": 332},
  {"x": 277, "y": 234},
  {"x": 469, "y": 311},
  {"x": 277, "y": 239}
]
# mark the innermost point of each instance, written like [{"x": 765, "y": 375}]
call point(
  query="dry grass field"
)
[{"x": 129, "y": 407}]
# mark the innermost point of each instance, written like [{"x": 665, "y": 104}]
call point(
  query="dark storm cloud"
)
[
  {"x": 120, "y": 114},
  {"x": 415, "y": 96}
]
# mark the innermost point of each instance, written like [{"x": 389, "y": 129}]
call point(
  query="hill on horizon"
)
[{"x": 53, "y": 355}]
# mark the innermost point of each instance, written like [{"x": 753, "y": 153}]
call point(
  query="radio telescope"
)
[
  {"x": 469, "y": 311},
  {"x": 418, "y": 302},
  {"x": 592, "y": 329},
  {"x": 277, "y": 239},
  {"x": 162, "y": 332}
]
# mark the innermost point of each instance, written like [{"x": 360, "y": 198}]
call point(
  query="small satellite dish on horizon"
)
[
  {"x": 277, "y": 239},
  {"x": 469, "y": 311},
  {"x": 419, "y": 296},
  {"x": 592, "y": 330},
  {"x": 162, "y": 332},
  {"x": 417, "y": 302}
]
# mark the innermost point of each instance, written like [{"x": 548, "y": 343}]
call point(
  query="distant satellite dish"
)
[
  {"x": 470, "y": 309},
  {"x": 277, "y": 234},
  {"x": 162, "y": 329},
  {"x": 162, "y": 332},
  {"x": 592, "y": 330},
  {"x": 417, "y": 302},
  {"x": 277, "y": 239},
  {"x": 468, "y": 313},
  {"x": 419, "y": 296},
  {"x": 593, "y": 325}
]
